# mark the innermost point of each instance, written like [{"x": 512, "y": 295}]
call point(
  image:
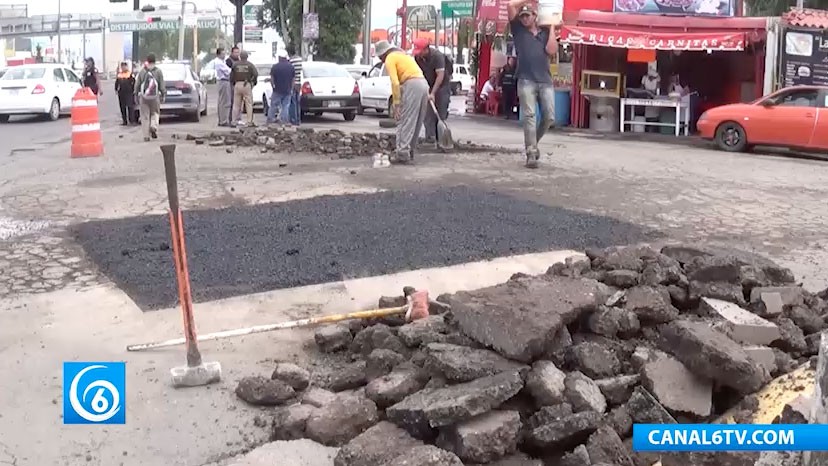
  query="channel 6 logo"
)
[{"x": 94, "y": 393}]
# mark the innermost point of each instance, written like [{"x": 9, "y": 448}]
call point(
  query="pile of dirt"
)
[
  {"x": 556, "y": 368},
  {"x": 333, "y": 142}
]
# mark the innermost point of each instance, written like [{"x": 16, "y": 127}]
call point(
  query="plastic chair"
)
[{"x": 493, "y": 104}]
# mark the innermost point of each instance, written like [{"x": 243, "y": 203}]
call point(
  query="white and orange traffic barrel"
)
[{"x": 86, "y": 126}]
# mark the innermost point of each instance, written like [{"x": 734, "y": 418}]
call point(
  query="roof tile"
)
[{"x": 806, "y": 17}]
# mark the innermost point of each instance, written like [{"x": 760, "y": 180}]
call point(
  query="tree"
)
[
  {"x": 165, "y": 43},
  {"x": 340, "y": 22}
]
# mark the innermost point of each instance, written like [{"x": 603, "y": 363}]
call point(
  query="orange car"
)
[{"x": 794, "y": 117}]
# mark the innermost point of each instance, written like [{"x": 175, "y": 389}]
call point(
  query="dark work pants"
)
[
  {"x": 441, "y": 101},
  {"x": 127, "y": 104},
  {"x": 509, "y": 101}
]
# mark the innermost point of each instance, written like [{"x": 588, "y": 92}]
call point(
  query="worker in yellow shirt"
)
[{"x": 410, "y": 97}]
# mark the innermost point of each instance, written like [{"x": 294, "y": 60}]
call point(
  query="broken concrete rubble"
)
[
  {"x": 518, "y": 319},
  {"x": 648, "y": 352},
  {"x": 339, "y": 421},
  {"x": 335, "y": 337},
  {"x": 483, "y": 438},
  {"x": 291, "y": 374},
  {"x": 712, "y": 354},
  {"x": 265, "y": 392},
  {"x": 742, "y": 325},
  {"x": 463, "y": 364}
]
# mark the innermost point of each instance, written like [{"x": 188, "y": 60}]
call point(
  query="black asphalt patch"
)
[{"x": 241, "y": 250}]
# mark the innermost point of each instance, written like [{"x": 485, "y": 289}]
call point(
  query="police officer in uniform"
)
[
  {"x": 243, "y": 77},
  {"x": 508, "y": 83}
]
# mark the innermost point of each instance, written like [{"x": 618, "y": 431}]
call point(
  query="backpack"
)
[{"x": 149, "y": 88}]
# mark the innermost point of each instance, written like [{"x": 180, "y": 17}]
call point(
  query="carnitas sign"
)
[{"x": 699, "y": 41}]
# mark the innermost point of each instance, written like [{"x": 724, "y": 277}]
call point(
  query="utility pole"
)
[
  {"x": 404, "y": 26},
  {"x": 305, "y": 11},
  {"x": 136, "y": 6},
  {"x": 366, "y": 35},
  {"x": 181, "y": 31},
  {"x": 238, "y": 26},
  {"x": 60, "y": 47}
]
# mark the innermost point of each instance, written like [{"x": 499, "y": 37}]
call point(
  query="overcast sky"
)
[{"x": 382, "y": 11}]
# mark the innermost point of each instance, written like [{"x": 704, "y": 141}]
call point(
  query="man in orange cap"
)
[{"x": 437, "y": 69}]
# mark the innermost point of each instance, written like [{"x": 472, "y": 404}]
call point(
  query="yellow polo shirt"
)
[{"x": 401, "y": 67}]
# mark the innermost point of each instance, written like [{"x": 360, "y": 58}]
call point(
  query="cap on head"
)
[
  {"x": 382, "y": 48},
  {"x": 282, "y": 53},
  {"x": 420, "y": 46},
  {"x": 244, "y": 55},
  {"x": 526, "y": 10}
]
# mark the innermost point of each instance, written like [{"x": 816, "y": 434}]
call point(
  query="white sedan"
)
[
  {"x": 326, "y": 88},
  {"x": 263, "y": 89},
  {"x": 42, "y": 89}
]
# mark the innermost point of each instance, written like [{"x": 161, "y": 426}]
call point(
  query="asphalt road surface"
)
[{"x": 250, "y": 249}]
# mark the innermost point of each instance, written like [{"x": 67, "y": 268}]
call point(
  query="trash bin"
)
[{"x": 563, "y": 99}]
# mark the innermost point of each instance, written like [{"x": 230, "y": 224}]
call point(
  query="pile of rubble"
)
[
  {"x": 278, "y": 138},
  {"x": 554, "y": 369}
]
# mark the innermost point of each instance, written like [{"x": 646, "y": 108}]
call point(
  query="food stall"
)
[{"x": 662, "y": 62}]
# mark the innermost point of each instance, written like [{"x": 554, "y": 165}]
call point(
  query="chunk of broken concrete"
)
[
  {"x": 423, "y": 330},
  {"x": 715, "y": 269},
  {"x": 438, "y": 407},
  {"x": 789, "y": 295},
  {"x": 792, "y": 339},
  {"x": 731, "y": 292},
  {"x": 644, "y": 408},
  {"x": 743, "y": 326},
  {"x": 620, "y": 420},
  {"x": 617, "y": 390},
  {"x": 317, "y": 397},
  {"x": 675, "y": 387},
  {"x": 583, "y": 394},
  {"x": 339, "y": 421},
  {"x": 605, "y": 446},
  {"x": 349, "y": 377},
  {"x": 425, "y": 455},
  {"x": 806, "y": 319},
  {"x": 289, "y": 422},
  {"x": 545, "y": 383},
  {"x": 621, "y": 278},
  {"x": 713, "y": 355},
  {"x": 613, "y": 321},
  {"x": 464, "y": 364},
  {"x": 291, "y": 374},
  {"x": 335, "y": 337},
  {"x": 566, "y": 432},
  {"x": 377, "y": 336},
  {"x": 577, "y": 457},
  {"x": 394, "y": 387},
  {"x": 262, "y": 391},
  {"x": 650, "y": 304},
  {"x": 519, "y": 319},
  {"x": 380, "y": 362},
  {"x": 518, "y": 459},
  {"x": 378, "y": 445},
  {"x": 593, "y": 359},
  {"x": 548, "y": 414},
  {"x": 768, "y": 304},
  {"x": 763, "y": 356},
  {"x": 483, "y": 438}
]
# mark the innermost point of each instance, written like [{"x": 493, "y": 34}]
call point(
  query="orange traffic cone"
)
[{"x": 86, "y": 127}]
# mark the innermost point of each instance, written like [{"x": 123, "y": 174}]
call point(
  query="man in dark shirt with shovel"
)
[{"x": 437, "y": 71}]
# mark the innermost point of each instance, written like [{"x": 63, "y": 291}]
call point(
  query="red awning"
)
[{"x": 642, "y": 39}]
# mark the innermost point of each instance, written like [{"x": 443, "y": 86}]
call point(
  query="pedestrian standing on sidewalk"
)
[
  {"x": 296, "y": 98},
  {"x": 231, "y": 60},
  {"x": 534, "y": 46},
  {"x": 125, "y": 89},
  {"x": 90, "y": 77},
  {"x": 224, "y": 91},
  {"x": 410, "y": 97},
  {"x": 281, "y": 78},
  {"x": 243, "y": 77},
  {"x": 150, "y": 91},
  {"x": 508, "y": 84},
  {"x": 437, "y": 69}
]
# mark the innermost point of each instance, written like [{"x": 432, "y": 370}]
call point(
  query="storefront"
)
[{"x": 672, "y": 68}]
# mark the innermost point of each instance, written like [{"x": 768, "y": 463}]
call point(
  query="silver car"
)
[{"x": 186, "y": 94}]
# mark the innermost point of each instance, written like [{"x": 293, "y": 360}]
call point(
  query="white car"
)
[
  {"x": 41, "y": 89},
  {"x": 375, "y": 90},
  {"x": 208, "y": 73},
  {"x": 461, "y": 80},
  {"x": 326, "y": 88},
  {"x": 263, "y": 90}
]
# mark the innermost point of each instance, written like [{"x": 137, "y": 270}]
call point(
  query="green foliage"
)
[
  {"x": 165, "y": 43},
  {"x": 340, "y": 22}
]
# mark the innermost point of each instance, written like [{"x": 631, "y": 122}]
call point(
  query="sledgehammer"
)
[{"x": 196, "y": 372}]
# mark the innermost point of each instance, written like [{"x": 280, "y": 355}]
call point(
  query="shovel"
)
[{"x": 444, "y": 139}]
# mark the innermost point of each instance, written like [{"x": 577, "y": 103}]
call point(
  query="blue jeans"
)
[
  {"x": 280, "y": 103},
  {"x": 295, "y": 109},
  {"x": 531, "y": 94}
]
